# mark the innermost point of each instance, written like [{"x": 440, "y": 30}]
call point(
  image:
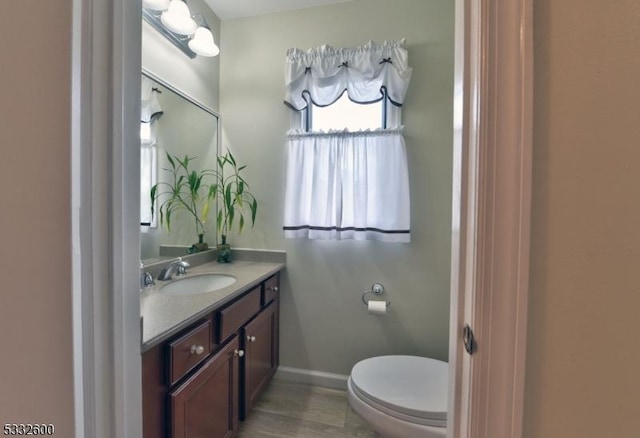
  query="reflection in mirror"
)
[{"x": 172, "y": 123}]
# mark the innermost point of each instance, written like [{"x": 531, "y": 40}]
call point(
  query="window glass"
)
[
  {"x": 345, "y": 114},
  {"x": 148, "y": 177},
  {"x": 145, "y": 133}
]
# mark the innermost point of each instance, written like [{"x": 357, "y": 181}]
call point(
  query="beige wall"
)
[
  {"x": 583, "y": 349},
  {"x": 324, "y": 325},
  {"x": 36, "y": 380}
]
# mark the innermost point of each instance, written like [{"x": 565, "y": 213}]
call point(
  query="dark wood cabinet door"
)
[
  {"x": 261, "y": 355},
  {"x": 206, "y": 405}
]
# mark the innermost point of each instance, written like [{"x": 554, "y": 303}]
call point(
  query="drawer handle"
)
[
  {"x": 251, "y": 338},
  {"x": 273, "y": 288},
  {"x": 238, "y": 353},
  {"x": 197, "y": 349}
]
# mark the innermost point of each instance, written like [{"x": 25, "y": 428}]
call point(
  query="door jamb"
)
[
  {"x": 105, "y": 65},
  {"x": 493, "y": 127}
]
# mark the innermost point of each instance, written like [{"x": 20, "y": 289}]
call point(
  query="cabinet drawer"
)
[
  {"x": 188, "y": 351},
  {"x": 231, "y": 318},
  {"x": 271, "y": 288}
]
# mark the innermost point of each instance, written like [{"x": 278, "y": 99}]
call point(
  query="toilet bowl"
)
[{"x": 401, "y": 396}]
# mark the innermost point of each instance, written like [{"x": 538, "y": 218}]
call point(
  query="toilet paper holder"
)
[{"x": 376, "y": 289}]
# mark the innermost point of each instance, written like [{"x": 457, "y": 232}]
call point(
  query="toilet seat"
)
[{"x": 413, "y": 389}]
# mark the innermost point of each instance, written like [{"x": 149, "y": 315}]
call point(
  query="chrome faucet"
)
[{"x": 177, "y": 267}]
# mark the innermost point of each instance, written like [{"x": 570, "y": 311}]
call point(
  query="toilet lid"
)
[{"x": 408, "y": 387}]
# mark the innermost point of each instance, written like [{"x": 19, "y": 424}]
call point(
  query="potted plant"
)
[
  {"x": 188, "y": 191},
  {"x": 234, "y": 199}
]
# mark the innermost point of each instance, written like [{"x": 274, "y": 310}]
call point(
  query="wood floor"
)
[{"x": 292, "y": 410}]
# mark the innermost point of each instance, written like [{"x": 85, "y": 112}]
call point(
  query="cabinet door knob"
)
[
  {"x": 251, "y": 338},
  {"x": 238, "y": 353},
  {"x": 274, "y": 288},
  {"x": 197, "y": 349}
]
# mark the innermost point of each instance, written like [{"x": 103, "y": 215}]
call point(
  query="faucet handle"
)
[
  {"x": 146, "y": 280},
  {"x": 181, "y": 267}
]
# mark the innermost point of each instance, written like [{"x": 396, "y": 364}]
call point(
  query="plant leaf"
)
[
  {"x": 193, "y": 182},
  {"x": 227, "y": 197},
  {"x": 233, "y": 160},
  {"x": 231, "y": 216},
  {"x": 254, "y": 210},
  {"x": 205, "y": 211},
  {"x": 219, "y": 221},
  {"x": 213, "y": 191},
  {"x": 152, "y": 193},
  {"x": 173, "y": 164}
]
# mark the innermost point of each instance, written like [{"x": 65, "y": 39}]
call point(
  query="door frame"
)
[
  {"x": 490, "y": 226},
  {"x": 493, "y": 128},
  {"x": 105, "y": 164}
]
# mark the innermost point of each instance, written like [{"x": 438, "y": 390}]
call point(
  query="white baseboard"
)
[{"x": 310, "y": 377}]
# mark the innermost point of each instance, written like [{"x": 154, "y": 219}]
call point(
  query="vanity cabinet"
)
[{"x": 204, "y": 379}]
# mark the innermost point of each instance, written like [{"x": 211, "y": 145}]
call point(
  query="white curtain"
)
[
  {"x": 345, "y": 185},
  {"x": 150, "y": 108},
  {"x": 368, "y": 74},
  {"x": 150, "y": 112}
]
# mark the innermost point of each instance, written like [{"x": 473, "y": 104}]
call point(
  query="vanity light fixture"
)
[
  {"x": 202, "y": 42},
  {"x": 177, "y": 18},
  {"x": 191, "y": 34},
  {"x": 156, "y": 5}
]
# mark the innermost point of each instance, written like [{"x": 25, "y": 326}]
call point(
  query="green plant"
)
[
  {"x": 233, "y": 197},
  {"x": 186, "y": 190}
]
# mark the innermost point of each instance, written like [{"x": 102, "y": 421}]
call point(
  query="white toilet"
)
[{"x": 401, "y": 396}]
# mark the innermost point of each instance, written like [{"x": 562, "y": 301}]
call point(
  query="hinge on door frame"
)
[{"x": 469, "y": 340}]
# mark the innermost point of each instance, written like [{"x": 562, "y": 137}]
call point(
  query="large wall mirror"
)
[{"x": 174, "y": 123}]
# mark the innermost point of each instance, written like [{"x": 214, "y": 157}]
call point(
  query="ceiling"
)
[{"x": 230, "y": 9}]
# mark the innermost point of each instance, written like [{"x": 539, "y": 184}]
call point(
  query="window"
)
[
  {"x": 145, "y": 133},
  {"x": 346, "y": 114},
  {"x": 148, "y": 173},
  {"x": 346, "y": 169}
]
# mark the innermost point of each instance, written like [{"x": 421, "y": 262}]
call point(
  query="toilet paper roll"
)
[{"x": 377, "y": 307}]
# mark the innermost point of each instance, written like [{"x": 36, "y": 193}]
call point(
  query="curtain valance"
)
[
  {"x": 150, "y": 108},
  {"x": 368, "y": 74}
]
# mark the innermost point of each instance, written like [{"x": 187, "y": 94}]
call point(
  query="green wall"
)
[{"x": 324, "y": 325}]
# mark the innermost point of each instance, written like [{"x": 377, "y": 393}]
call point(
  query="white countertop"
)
[{"x": 164, "y": 315}]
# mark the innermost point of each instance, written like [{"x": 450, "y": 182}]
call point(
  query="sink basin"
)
[{"x": 197, "y": 284}]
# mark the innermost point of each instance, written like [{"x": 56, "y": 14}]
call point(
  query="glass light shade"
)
[
  {"x": 178, "y": 18},
  {"x": 202, "y": 43},
  {"x": 155, "y": 5}
]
